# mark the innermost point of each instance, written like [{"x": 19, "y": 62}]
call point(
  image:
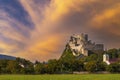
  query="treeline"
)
[
  {"x": 92, "y": 63},
  {"x": 18, "y": 66}
]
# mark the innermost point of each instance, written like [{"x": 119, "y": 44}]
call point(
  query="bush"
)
[{"x": 114, "y": 67}]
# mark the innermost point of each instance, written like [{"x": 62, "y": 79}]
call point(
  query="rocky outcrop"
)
[{"x": 79, "y": 44}]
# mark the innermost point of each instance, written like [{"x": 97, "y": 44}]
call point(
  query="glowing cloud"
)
[{"x": 41, "y": 29}]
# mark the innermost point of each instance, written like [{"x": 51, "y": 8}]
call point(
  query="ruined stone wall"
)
[{"x": 80, "y": 44}]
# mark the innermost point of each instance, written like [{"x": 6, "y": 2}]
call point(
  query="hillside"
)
[{"x": 7, "y": 57}]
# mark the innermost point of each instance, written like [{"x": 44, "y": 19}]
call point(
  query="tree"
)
[
  {"x": 53, "y": 66},
  {"x": 13, "y": 67},
  {"x": 66, "y": 66},
  {"x": 67, "y": 54},
  {"x": 101, "y": 66},
  {"x": 91, "y": 66},
  {"x": 3, "y": 65},
  {"x": 92, "y": 57},
  {"x": 118, "y": 53},
  {"x": 28, "y": 66},
  {"x": 114, "y": 67},
  {"x": 40, "y": 68},
  {"x": 113, "y": 53},
  {"x": 77, "y": 65}
]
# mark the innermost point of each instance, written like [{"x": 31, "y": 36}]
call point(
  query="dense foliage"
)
[{"x": 66, "y": 64}]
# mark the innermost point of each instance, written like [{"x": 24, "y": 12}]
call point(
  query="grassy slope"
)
[{"x": 62, "y": 77}]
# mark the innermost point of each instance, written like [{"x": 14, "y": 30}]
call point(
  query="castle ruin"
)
[{"x": 80, "y": 44}]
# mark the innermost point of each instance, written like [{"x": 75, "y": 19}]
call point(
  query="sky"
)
[{"x": 40, "y": 29}]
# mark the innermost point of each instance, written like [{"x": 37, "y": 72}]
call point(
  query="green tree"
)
[
  {"x": 77, "y": 65},
  {"x": 3, "y": 65},
  {"x": 118, "y": 53},
  {"x": 53, "y": 66},
  {"x": 13, "y": 67},
  {"x": 40, "y": 68},
  {"x": 114, "y": 67},
  {"x": 101, "y": 66},
  {"x": 91, "y": 66},
  {"x": 113, "y": 53},
  {"x": 92, "y": 57},
  {"x": 28, "y": 66},
  {"x": 67, "y": 54}
]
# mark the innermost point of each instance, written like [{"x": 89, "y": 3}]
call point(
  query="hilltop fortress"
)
[{"x": 79, "y": 44}]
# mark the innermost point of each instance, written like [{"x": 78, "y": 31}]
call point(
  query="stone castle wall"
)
[{"x": 80, "y": 44}]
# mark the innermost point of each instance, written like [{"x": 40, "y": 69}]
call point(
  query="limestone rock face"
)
[{"x": 79, "y": 44}]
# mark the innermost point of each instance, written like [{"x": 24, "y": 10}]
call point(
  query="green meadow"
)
[{"x": 62, "y": 77}]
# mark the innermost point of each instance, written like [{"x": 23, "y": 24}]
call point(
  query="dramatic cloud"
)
[{"x": 39, "y": 29}]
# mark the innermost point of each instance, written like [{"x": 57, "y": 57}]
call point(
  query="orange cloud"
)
[
  {"x": 43, "y": 41},
  {"x": 47, "y": 39},
  {"x": 58, "y": 8},
  {"x": 106, "y": 15},
  {"x": 43, "y": 49},
  {"x": 7, "y": 49},
  {"x": 108, "y": 19}
]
